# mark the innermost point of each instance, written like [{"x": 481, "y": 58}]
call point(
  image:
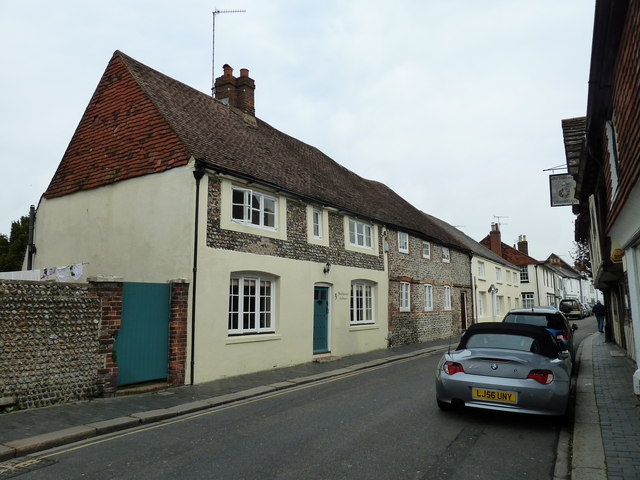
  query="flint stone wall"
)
[{"x": 49, "y": 343}]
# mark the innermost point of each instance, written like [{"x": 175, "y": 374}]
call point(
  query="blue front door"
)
[
  {"x": 142, "y": 344},
  {"x": 320, "y": 319}
]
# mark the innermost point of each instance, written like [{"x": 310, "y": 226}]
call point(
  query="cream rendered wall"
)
[
  {"x": 219, "y": 355},
  {"x": 140, "y": 229},
  {"x": 508, "y": 293}
]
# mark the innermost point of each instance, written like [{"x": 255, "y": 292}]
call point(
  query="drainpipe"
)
[
  {"x": 474, "y": 314},
  {"x": 537, "y": 285},
  {"x": 31, "y": 248},
  {"x": 198, "y": 173}
]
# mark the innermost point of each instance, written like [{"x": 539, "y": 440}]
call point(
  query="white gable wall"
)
[{"x": 140, "y": 229}]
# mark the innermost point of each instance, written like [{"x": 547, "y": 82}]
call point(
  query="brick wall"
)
[
  {"x": 178, "y": 315},
  {"x": 57, "y": 340},
  {"x": 418, "y": 324}
]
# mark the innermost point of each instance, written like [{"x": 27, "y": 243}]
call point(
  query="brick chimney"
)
[
  {"x": 236, "y": 92},
  {"x": 495, "y": 239},
  {"x": 523, "y": 245}
]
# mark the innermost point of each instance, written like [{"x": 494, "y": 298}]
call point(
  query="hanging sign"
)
[{"x": 563, "y": 190}]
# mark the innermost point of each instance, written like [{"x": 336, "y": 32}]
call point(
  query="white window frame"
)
[
  {"x": 403, "y": 242},
  {"x": 428, "y": 297},
  {"x": 251, "y": 312},
  {"x": 446, "y": 255},
  {"x": 481, "y": 269},
  {"x": 426, "y": 249},
  {"x": 317, "y": 225},
  {"x": 360, "y": 234},
  {"x": 498, "y": 274},
  {"x": 447, "y": 297},
  {"x": 254, "y": 204},
  {"x": 528, "y": 300},
  {"x": 481, "y": 304},
  {"x": 524, "y": 273},
  {"x": 405, "y": 297},
  {"x": 612, "y": 147},
  {"x": 362, "y": 302}
]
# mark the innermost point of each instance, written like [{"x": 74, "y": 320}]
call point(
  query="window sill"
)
[
  {"x": 261, "y": 337},
  {"x": 367, "y": 326}
]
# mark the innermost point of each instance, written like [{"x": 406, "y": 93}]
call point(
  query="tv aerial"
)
[{"x": 213, "y": 47}]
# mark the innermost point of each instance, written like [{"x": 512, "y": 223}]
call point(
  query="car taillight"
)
[
  {"x": 452, "y": 367},
  {"x": 544, "y": 377},
  {"x": 563, "y": 336}
]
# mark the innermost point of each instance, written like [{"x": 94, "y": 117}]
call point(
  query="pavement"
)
[{"x": 603, "y": 441}]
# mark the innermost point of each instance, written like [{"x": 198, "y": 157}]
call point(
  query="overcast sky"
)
[{"x": 456, "y": 105}]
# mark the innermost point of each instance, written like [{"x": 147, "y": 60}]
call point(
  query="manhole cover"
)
[{"x": 18, "y": 466}]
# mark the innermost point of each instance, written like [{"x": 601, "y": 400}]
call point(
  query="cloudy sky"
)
[{"x": 456, "y": 105}]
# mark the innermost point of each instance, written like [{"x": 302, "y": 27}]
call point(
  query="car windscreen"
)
[
  {"x": 539, "y": 320},
  {"x": 542, "y": 320},
  {"x": 503, "y": 341},
  {"x": 510, "y": 336}
]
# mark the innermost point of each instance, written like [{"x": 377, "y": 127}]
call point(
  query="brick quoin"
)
[
  {"x": 178, "y": 312},
  {"x": 110, "y": 294}
]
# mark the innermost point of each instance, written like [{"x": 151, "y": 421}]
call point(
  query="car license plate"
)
[{"x": 494, "y": 395}]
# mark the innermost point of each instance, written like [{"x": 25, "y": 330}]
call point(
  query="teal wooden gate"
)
[
  {"x": 320, "y": 319},
  {"x": 142, "y": 344}
]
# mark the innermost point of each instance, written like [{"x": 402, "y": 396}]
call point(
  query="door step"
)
[
  {"x": 326, "y": 358},
  {"x": 142, "y": 388}
]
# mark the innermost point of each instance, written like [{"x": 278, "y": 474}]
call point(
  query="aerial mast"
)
[{"x": 213, "y": 47}]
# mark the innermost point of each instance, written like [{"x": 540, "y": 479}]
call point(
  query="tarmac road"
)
[{"x": 378, "y": 423}]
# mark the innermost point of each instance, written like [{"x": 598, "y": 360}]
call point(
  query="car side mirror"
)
[{"x": 574, "y": 327}]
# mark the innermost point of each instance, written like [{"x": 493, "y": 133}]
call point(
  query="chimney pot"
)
[
  {"x": 227, "y": 69},
  {"x": 244, "y": 72}
]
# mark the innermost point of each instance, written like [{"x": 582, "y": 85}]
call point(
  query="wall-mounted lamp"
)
[{"x": 327, "y": 268}]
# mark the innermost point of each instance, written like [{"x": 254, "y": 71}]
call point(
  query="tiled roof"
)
[
  {"x": 141, "y": 121},
  {"x": 573, "y": 130},
  {"x": 473, "y": 246},
  {"x": 121, "y": 135},
  {"x": 510, "y": 254}
]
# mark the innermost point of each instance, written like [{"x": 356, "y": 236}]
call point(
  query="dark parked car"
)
[
  {"x": 553, "y": 320},
  {"x": 571, "y": 308},
  {"x": 508, "y": 367}
]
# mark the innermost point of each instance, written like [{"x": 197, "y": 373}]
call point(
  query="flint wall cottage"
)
[{"x": 284, "y": 250}]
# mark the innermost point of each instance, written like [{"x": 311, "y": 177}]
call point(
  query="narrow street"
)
[{"x": 380, "y": 423}]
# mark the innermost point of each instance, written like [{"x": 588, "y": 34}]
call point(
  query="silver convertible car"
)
[{"x": 506, "y": 366}]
